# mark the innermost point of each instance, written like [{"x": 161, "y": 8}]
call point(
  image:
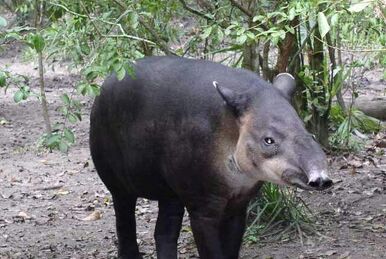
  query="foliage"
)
[
  {"x": 349, "y": 129},
  {"x": 278, "y": 213}
]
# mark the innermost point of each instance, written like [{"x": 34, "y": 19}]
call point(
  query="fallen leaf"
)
[
  {"x": 3, "y": 121},
  {"x": 62, "y": 192},
  {"x": 356, "y": 163},
  {"x": 95, "y": 215},
  {"x": 344, "y": 255},
  {"x": 43, "y": 161},
  {"x": 86, "y": 164},
  {"x": 24, "y": 215},
  {"x": 329, "y": 253}
]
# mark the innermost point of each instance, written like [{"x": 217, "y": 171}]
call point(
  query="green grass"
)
[{"x": 278, "y": 214}]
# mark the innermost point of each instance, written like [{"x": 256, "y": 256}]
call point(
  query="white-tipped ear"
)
[{"x": 286, "y": 84}]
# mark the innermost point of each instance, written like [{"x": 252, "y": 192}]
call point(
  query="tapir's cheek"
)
[{"x": 272, "y": 169}]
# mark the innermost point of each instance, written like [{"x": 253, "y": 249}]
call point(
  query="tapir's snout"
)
[
  {"x": 319, "y": 180},
  {"x": 315, "y": 180}
]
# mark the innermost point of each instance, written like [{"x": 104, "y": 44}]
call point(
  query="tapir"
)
[{"x": 198, "y": 135}]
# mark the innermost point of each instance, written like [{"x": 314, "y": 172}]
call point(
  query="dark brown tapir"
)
[{"x": 202, "y": 136}]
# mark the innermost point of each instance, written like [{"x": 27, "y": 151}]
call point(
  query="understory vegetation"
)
[{"x": 324, "y": 44}]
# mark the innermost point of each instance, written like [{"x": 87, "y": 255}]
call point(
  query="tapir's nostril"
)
[
  {"x": 326, "y": 183},
  {"x": 321, "y": 183},
  {"x": 317, "y": 182}
]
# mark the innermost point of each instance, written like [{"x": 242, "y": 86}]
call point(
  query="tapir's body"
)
[{"x": 187, "y": 133}]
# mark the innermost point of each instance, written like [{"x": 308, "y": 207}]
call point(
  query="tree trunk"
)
[
  {"x": 285, "y": 50},
  {"x": 43, "y": 98},
  {"x": 251, "y": 56},
  {"x": 320, "y": 121}
]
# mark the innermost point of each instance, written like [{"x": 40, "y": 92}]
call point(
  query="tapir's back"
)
[{"x": 175, "y": 85}]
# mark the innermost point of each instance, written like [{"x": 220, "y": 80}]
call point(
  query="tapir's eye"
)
[{"x": 269, "y": 141}]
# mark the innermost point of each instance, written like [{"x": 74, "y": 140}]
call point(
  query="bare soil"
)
[{"x": 53, "y": 205}]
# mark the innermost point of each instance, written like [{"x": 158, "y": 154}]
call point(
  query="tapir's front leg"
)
[
  {"x": 207, "y": 237},
  {"x": 206, "y": 222},
  {"x": 232, "y": 232}
]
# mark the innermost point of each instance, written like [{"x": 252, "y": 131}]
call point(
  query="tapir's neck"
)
[{"x": 224, "y": 161}]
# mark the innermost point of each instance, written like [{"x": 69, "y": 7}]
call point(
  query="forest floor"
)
[{"x": 53, "y": 205}]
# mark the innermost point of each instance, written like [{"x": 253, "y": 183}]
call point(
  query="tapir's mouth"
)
[{"x": 301, "y": 180}]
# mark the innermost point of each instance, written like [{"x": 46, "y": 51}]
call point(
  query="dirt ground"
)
[{"x": 53, "y": 205}]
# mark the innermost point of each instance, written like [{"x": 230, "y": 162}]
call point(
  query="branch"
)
[
  {"x": 348, "y": 50},
  {"x": 68, "y": 10},
  {"x": 301, "y": 47},
  {"x": 241, "y": 8},
  {"x": 194, "y": 11},
  {"x": 89, "y": 17},
  {"x": 162, "y": 44},
  {"x": 205, "y": 4},
  {"x": 93, "y": 19}
]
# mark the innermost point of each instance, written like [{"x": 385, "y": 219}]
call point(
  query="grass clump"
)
[{"x": 277, "y": 214}]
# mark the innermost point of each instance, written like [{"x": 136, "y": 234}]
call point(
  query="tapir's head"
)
[{"x": 273, "y": 144}]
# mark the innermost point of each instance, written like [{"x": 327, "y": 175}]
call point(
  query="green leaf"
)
[
  {"x": 69, "y": 135},
  {"x": 38, "y": 42},
  {"x": 78, "y": 116},
  {"x": 66, "y": 100},
  {"x": 207, "y": 31},
  {"x": 241, "y": 40},
  {"x": 357, "y": 7},
  {"x": 3, "y": 79},
  {"x": 258, "y": 18},
  {"x": 52, "y": 140},
  {"x": 291, "y": 14},
  {"x": 121, "y": 72},
  {"x": 3, "y": 22},
  {"x": 95, "y": 90},
  {"x": 19, "y": 96},
  {"x": 324, "y": 27},
  {"x": 334, "y": 19},
  {"x": 63, "y": 147},
  {"x": 307, "y": 118},
  {"x": 72, "y": 117},
  {"x": 82, "y": 89}
]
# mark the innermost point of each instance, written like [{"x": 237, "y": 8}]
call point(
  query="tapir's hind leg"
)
[
  {"x": 168, "y": 228},
  {"x": 124, "y": 207}
]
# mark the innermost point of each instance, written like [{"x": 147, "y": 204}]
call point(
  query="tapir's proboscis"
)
[{"x": 202, "y": 136}]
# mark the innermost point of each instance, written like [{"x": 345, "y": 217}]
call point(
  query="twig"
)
[
  {"x": 241, "y": 8},
  {"x": 7, "y": 6},
  {"x": 301, "y": 47},
  {"x": 124, "y": 34},
  {"x": 68, "y": 10},
  {"x": 194, "y": 11},
  {"x": 339, "y": 95},
  {"x": 47, "y": 188},
  {"x": 160, "y": 42},
  {"x": 92, "y": 21},
  {"x": 349, "y": 50},
  {"x": 300, "y": 232}
]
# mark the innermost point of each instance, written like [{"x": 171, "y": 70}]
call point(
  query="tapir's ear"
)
[
  {"x": 286, "y": 84},
  {"x": 238, "y": 102}
]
